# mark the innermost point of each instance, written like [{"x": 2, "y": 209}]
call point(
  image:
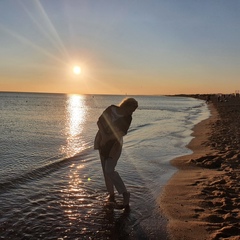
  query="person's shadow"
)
[{"x": 122, "y": 225}]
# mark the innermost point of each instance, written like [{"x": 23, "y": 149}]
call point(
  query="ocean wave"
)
[{"x": 52, "y": 164}]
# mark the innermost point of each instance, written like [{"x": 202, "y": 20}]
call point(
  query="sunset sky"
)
[{"x": 122, "y": 47}]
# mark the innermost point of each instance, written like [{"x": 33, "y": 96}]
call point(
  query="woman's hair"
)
[{"x": 128, "y": 102}]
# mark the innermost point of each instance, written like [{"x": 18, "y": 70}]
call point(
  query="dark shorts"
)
[{"x": 105, "y": 150}]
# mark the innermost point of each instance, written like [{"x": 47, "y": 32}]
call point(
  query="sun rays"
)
[{"x": 48, "y": 32}]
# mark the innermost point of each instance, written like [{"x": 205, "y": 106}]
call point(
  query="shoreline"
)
[{"x": 200, "y": 201}]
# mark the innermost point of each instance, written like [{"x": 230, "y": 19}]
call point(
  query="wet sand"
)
[{"x": 201, "y": 201}]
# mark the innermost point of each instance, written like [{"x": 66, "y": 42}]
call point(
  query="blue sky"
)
[{"x": 134, "y": 47}]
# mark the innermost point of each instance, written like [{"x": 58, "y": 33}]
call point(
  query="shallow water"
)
[{"x": 51, "y": 179}]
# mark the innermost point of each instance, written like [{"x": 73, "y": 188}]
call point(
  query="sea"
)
[{"x": 51, "y": 181}]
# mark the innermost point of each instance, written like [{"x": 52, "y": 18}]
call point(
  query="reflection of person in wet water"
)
[{"x": 113, "y": 124}]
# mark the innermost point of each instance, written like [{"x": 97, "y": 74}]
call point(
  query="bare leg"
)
[{"x": 108, "y": 182}]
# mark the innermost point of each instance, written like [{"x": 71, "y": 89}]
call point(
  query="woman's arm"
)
[{"x": 105, "y": 126}]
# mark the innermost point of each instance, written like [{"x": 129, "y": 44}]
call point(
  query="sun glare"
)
[{"x": 76, "y": 70}]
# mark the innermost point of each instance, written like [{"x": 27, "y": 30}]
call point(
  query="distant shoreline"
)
[
  {"x": 199, "y": 96},
  {"x": 201, "y": 199}
]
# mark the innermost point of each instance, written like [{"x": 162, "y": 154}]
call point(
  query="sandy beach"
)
[{"x": 201, "y": 201}]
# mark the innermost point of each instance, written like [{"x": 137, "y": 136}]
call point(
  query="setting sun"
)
[{"x": 76, "y": 70}]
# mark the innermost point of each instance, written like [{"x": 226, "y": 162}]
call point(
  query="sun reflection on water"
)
[
  {"x": 73, "y": 197},
  {"x": 75, "y": 119},
  {"x": 79, "y": 200},
  {"x": 76, "y": 203}
]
